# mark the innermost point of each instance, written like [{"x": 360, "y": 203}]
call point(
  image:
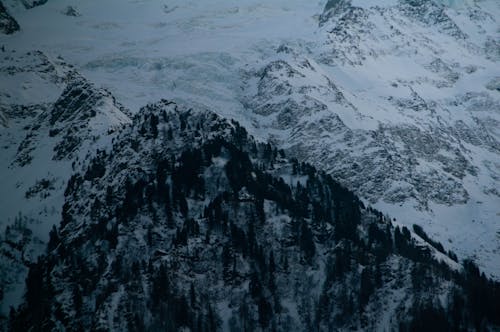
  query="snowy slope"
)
[
  {"x": 53, "y": 118},
  {"x": 398, "y": 91},
  {"x": 424, "y": 72}
]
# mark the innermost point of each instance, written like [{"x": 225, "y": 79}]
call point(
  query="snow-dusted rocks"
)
[
  {"x": 399, "y": 103},
  {"x": 53, "y": 119},
  {"x": 8, "y": 24},
  {"x": 28, "y": 4},
  {"x": 71, "y": 11},
  {"x": 308, "y": 118}
]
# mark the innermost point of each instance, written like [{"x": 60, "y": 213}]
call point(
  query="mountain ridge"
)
[
  {"x": 397, "y": 101},
  {"x": 207, "y": 235}
]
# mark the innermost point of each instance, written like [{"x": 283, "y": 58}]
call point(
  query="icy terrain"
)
[{"x": 405, "y": 94}]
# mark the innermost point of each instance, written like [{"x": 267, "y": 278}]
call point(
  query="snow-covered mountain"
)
[
  {"x": 398, "y": 100},
  {"x": 187, "y": 223},
  {"x": 406, "y": 100}
]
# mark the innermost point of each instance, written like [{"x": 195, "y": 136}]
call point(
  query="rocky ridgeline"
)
[{"x": 423, "y": 156}]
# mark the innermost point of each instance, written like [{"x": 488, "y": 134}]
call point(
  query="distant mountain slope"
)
[
  {"x": 399, "y": 103},
  {"x": 188, "y": 223}
]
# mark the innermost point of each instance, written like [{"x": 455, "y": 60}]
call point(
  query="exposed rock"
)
[
  {"x": 28, "y": 4},
  {"x": 8, "y": 25},
  {"x": 71, "y": 11}
]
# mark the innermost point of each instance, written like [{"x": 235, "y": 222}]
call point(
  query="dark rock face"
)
[
  {"x": 8, "y": 25},
  {"x": 76, "y": 103},
  {"x": 430, "y": 13},
  {"x": 72, "y": 120},
  {"x": 28, "y": 4},
  {"x": 71, "y": 11},
  {"x": 334, "y": 8}
]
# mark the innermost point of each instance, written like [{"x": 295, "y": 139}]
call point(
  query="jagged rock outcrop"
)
[
  {"x": 71, "y": 11},
  {"x": 28, "y": 4},
  {"x": 65, "y": 119},
  {"x": 8, "y": 24}
]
